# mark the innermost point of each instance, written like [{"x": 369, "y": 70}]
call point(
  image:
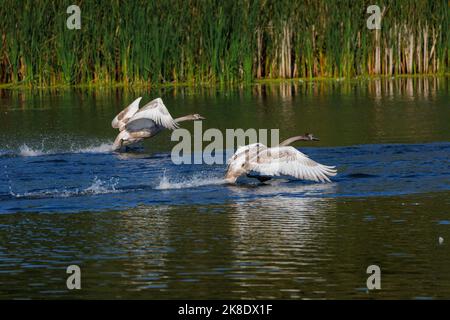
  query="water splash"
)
[
  {"x": 102, "y": 148},
  {"x": 97, "y": 187},
  {"x": 27, "y": 151},
  {"x": 191, "y": 182}
]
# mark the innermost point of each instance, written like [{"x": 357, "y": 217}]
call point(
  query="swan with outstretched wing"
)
[
  {"x": 137, "y": 124},
  {"x": 282, "y": 160}
]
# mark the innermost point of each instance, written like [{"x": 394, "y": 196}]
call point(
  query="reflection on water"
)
[
  {"x": 141, "y": 227},
  {"x": 269, "y": 248},
  {"x": 400, "y": 110},
  {"x": 378, "y": 89},
  {"x": 293, "y": 227}
]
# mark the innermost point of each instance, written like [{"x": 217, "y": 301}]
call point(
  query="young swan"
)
[
  {"x": 277, "y": 161},
  {"x": 137, "y": 124}
]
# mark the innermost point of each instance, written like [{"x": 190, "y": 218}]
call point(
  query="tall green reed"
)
[{"x": 212, "y": 41}]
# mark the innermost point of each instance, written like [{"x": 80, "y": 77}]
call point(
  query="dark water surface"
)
[{"x": 140, "y": 226}]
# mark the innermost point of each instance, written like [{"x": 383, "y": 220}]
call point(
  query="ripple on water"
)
[{"x": 95, "y": 173}]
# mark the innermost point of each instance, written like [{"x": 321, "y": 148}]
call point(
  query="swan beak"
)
[
  {"x": 201, "y": 118},
  {"x": 315, "y": 139}
]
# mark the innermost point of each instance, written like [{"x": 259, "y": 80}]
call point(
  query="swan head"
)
[
  {"x": 310, "y": 137},
  {"x": 196, "y": 116},
  {"x": 305, "y": 137}
]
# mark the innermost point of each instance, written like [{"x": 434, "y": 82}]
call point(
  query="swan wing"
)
[
  {"x": 156, "y": 111},
  {"x": 140, "y": 124},
  {"x": 122, "y": 118},
  {"x": 289, "y": 161},
  {"x": 250, "y": 150}
]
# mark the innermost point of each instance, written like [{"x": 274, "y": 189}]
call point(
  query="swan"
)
[
  {"x": 137, "y": 124},
  {"x": 282, "y": 160}
]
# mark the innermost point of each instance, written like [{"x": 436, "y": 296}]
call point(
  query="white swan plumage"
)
[
  {"x": 137, "y": 124},
  {"x": 282, "y": 160}
]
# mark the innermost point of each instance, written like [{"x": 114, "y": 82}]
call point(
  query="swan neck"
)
[
  {"x": 185, "y": 118},
  {"x": 292, "y": 140}
]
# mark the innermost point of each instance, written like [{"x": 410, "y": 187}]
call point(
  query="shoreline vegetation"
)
[
  {"x": 383, "y": 86},
  {"x": 209, "y": 42},
  {"x": 255, "y": 82}
]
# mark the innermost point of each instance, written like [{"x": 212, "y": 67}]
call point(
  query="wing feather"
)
[
  {"x": 156, "y": 111},
  {"x": 251, "y": 150},
  {"x": 289, "y": 161},
  {"x": 125, "y": 115}
]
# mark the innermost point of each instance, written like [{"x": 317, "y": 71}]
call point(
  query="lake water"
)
[{"x": 142, "y": 227}]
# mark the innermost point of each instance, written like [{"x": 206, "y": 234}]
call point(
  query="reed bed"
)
[{"x": 212, "y": 41}]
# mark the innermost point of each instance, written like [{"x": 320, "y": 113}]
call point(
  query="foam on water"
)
[
  {"x": 27, "y": 151},
  {"x": 54, "y": 183},
  {"x": 191, "y": 182},
  {"x": 102, "y": 148},
  {"x": 97, "y": 186}
]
